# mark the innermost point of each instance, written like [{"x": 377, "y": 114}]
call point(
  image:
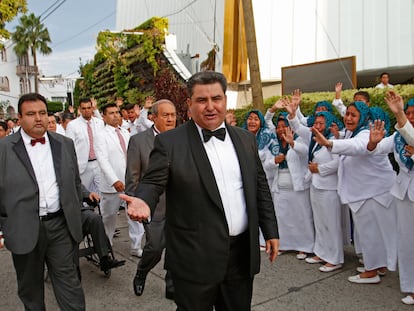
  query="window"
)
[
  {"x": 4, "y": 84},
  {"x": 3, "y": 56}
]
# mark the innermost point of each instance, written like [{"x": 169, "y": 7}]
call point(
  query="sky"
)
[{"x": 73, "y": 27}]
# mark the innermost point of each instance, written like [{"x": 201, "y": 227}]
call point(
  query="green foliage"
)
[
  {"x": 309, "y": 100},
  {"x": 31, "y": 35},
  {"x": 125, "y": 65},
  {"x": 8, "y": 11},
  {"x": 54, "y": 106}
]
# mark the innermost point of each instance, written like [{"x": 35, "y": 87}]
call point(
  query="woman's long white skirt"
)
[
  {"x": 327, "y": 212},
  {"x": 377, "y": 227},
  {"x": 405, "y": 223},
  {"x": 295, "y": 220}
]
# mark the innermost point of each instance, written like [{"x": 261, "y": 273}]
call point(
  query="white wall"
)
[{"x": 290, "y": 32}]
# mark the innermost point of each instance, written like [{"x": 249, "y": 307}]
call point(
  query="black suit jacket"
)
[
  {"x": 197, "y": 237},
  {"x": 19, "y": 192}
]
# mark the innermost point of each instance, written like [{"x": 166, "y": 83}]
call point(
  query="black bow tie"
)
[
  {"x": 41, "y": 140},
  {"x": 220, "y": 134}
]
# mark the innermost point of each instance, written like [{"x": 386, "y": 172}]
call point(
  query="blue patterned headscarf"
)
[
  {"x": 377, "y": 113},
  {"x": 400, "y": 143},
  {"x": 278, "y": 148},
  {"x": 329, "y": 119},
  {"x": 364, "y": 117},
  {"x": 264, "y": 136},
  {"x": 323, "y": 103}
]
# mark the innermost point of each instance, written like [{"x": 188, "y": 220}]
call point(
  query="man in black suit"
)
[
  {"x": 139, "y": 149},
  {"x": 40, "y": 199},
  {"x": 217, "y": 197}
]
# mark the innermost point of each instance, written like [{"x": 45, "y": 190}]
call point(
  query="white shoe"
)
[
  {"x": 330, "y": 269},
  {"x": 408, "y": 300},
  {"x": 362, "y": 270},
  {"x": 357, "y": 279},
  {"x": 136, "y": 252},
  {"x": 262, "y": 248},
  {"x": 301, "y": 256},
  {"x": 312, "y": 260}
]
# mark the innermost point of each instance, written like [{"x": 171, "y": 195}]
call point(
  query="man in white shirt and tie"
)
[
  {"x": 83, "y": 131},
  {"x": 111, "y": 151}
]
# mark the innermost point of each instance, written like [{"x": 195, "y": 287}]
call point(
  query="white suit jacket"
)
[
  {"x": 361, "y": 175},
  {"x": 78, "y": 131},
  {"x": 111, "y": 158},
  {"x": 327, "y": 178},
  {"x": 407, "y": 131},
  {"x": 404, "y": 183}
]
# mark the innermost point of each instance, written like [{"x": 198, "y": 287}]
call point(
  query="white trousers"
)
[
  {"x": 110, "y": 203},
  {"x": 91, "y": 176}
]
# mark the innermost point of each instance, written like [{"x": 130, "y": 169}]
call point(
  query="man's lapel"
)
[
  {"x": 56, "y": 147},
  {"x": 22, "y": 154}
]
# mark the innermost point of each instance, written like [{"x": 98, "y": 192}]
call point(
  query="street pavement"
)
[{"x": 288, "y": 284}]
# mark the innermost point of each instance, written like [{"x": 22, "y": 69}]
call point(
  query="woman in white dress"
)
[
  {"x": 364, "y": 183},
  {"x": 326, "y": 206},
  {"x": 266, "y": 140},
  {"x": 403, "y": 191},
  {"x": 290, "y": 190}
]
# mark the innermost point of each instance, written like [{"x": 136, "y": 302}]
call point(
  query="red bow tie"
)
[{"x": 41, "y": 140}]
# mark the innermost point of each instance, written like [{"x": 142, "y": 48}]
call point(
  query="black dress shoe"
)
[
  {"x": 139, "y": 284},
  {"x": 107, "y": 263}
]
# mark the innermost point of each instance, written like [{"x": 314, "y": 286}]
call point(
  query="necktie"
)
[
  {"x": 92, "y": 155},
  {"x": 121, "y": 140},
  {"x": 220, "y": 134},
  {"x": 41, "y": 140}
]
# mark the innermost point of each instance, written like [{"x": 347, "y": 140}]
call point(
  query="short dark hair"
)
[
  {"x": 129, "y": 106},
  {"x": 67, "y": 116},
  {"x": 384, "y": 73},
  {"x": 110, "y": 105},
  {"x": 85, "y": 100},
  {"x": 4, "y": 125},
  {"x": 206, "y": 77},
  {"x": 363, "y": 94},
  {"x": 30, "y": 97}
]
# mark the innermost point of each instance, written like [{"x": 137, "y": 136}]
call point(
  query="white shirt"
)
[
  {"x": 226, "y": 168},
  {"x": 42, "y": 162}
]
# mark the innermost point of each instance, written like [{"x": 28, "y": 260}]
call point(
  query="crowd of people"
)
[{"x": 209, "y": 192}]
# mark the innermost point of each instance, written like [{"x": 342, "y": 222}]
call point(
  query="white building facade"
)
[{"x": 16, "y": 78}]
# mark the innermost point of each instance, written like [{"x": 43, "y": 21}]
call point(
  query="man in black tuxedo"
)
[
  {"x": 40, "y": 199},
  {"x": 217, "y": 197}
]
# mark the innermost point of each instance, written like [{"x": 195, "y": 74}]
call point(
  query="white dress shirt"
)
[
  {"x": 226, "y": 168},
  {"x": 42, "y": 162}
]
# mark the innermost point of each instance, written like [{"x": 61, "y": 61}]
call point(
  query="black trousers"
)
[
  {"x": 56, "y": 248},
  {"x": 152, "y": 252},
  {"x": 234, "y": 293},
  {"x": 92, "y": 224}
]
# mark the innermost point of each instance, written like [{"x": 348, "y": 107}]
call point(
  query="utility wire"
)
[
  {"x": 50, "y": 13},
  {"x": 84, "y": 30},
  {"x": 51, "y": 6},
  {"x": 180, "y": 10}
]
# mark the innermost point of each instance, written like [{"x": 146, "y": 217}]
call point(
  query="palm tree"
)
[{"x": 31, "y": 35}]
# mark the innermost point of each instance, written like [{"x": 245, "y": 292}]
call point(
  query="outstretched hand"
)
[
  {"x": 319, "y": 137},
  {"x": 137, "y": 210},
  {"x": 288, "y": 136},
  {"x": 376, "y": 131},
  {"x": 394, "y": 101}
]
